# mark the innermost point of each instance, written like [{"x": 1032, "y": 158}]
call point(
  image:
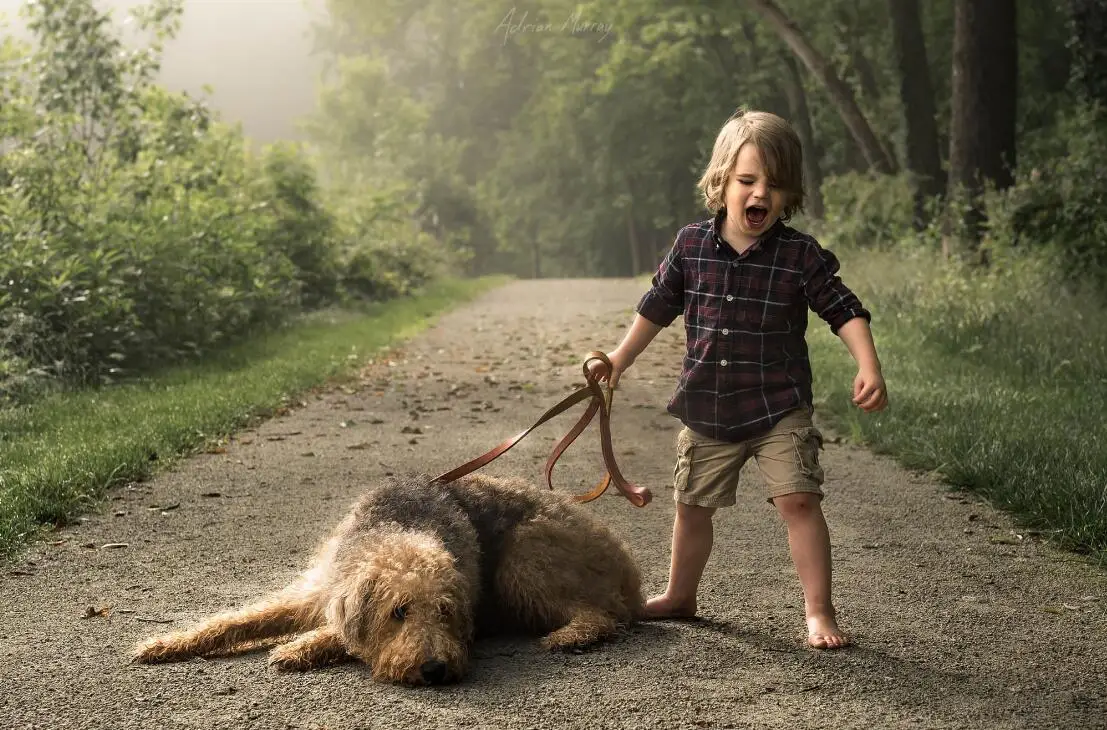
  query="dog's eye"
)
[
  {"x": 445, "y": 611},
  {"x": 399, "y": 613}
]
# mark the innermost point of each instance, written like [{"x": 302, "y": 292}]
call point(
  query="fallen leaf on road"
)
[
  {"x": 114, "y": 545},
  {"x": 92, "y": 612}
]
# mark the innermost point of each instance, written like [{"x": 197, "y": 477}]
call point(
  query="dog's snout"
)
[{"x": 433, "y": 671}]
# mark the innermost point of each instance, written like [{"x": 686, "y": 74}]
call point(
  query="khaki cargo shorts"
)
[{"x": 706, "y": 472}]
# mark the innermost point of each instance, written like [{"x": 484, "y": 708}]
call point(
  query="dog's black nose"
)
[{"x": 434, "y": 672}]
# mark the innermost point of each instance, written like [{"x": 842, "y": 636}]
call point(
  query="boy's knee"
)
[
  {"x": 693, "y": 513},
  {"x": 798, "y": 505}
]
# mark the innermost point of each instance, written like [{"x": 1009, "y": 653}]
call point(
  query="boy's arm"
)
[
  {"x": 870, "y": 393},
  {"x": 638, "y": 337},
  {"x": 826, "y": 294},
  {"x": 836, "y": 304},
  {"x": 657, "y": 309}
]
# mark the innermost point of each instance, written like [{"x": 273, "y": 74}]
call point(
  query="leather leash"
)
[{"x": 601, "y": 403}]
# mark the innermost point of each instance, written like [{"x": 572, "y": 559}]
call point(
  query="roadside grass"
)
[
  {"x": 997, "y": 383},
  {"x": 58, "y": 456}
]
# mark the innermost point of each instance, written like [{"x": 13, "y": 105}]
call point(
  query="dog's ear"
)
[{"x": 350, "y": 607}]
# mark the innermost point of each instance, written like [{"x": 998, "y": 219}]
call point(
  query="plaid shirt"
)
[{"x": 745, "y": 317}]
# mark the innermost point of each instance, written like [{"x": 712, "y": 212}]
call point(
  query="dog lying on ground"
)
[{"x": 418, "y": 569}]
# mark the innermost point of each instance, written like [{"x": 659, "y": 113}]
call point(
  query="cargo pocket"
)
[
  {"x": 682, "y": 472},
  {"x": 807, "y": 442}
]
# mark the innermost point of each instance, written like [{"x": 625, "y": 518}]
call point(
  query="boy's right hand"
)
[{"x": 619, "y": 363}]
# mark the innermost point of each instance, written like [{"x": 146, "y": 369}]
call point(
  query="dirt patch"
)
[{"x": 960, "y": 620}]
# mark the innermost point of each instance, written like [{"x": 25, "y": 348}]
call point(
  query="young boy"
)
[{"x": 743, "y": 281}]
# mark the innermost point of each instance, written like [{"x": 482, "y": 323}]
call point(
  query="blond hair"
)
[{"x": 780, "y": 150}]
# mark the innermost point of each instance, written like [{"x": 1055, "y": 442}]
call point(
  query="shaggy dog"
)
[{"x": 417, "y": 569}]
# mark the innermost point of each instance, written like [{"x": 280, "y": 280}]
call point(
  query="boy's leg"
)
[
  {"x": 692, "y": 538},
  {"x": 809, "y": 543},
  {"x": 705, "y": 478},
  {"x": 788, "y": 457}
]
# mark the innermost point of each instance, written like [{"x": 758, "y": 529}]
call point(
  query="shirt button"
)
[
  {"x": 726, "y": 331},
  {"x": 723, "y": 363},
  {"x": 730, "y": 297}
]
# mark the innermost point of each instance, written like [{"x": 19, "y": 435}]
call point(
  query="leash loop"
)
[{"x": 601, "y": 401}]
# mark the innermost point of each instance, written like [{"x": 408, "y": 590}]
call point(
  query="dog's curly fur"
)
[{"x": 417, "y": 569}]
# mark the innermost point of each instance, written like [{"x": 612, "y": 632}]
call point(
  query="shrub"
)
[
  {"x": 1058, "y": 198},
  {"x": 297, "y": 224},
  {"x": 384, "y": 252},
  {"x": 867, "y": 209}
]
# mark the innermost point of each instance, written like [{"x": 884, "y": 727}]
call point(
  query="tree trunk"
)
[
  {"x": 917, "y": 94},
  {"x": 985, "y": 88},
  {"x": 635, "y": 250},
  {"x": 801, "y": 118},
  {"x": 840, "y": 93},
  {"x": 536, "y": 261},
  {"x": 1089, "y": 52}
]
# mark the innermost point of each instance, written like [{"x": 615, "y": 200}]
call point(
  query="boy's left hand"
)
[{"x": 869, "y": 392}]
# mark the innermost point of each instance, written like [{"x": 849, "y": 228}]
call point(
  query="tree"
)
[
  {"x": 917, "y": 94},
  {"x": 801, "y": 119},
  {"x": 1089, "y": 68},
  {"x": 840, "y": 93},
  {"x": 985, "y": 92}
]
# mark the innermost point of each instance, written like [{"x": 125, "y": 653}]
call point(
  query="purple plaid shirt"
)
[{"x": 745, "y": 317}]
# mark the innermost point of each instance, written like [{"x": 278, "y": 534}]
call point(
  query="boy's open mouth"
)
[{"x": 756, "y": 215}]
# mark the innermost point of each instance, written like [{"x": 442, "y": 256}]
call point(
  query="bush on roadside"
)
[
  {"x": 1057, "y": 202},
  {"x": 137, "y": 230},
  {"x": 865, "y": 210}
]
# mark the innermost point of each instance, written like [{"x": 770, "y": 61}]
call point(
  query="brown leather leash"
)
[{"x": 601, "y": 403}]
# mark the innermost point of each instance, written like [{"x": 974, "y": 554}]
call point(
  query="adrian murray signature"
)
[{"x": 574, "y": 24}]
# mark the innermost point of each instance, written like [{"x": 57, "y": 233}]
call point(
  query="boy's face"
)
[{"x": 753, "y": 203}]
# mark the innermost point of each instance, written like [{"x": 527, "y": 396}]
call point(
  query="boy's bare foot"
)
[
  {"x": 660, "y": 607},
  {"x": 823, "y": 632}
]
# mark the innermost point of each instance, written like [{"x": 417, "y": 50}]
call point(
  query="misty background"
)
[{"x": 255, "y": 54}]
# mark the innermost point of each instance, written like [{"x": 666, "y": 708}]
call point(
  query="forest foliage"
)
[
  {"x": 565, "y": 138},
  {"x": 137, "y": 229},
  {"x": 476, "y": 136}
]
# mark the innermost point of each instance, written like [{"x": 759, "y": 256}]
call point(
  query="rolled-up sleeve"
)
[
  {"x": 664, "y": 301},
  {"x": 827, "y": 295}
]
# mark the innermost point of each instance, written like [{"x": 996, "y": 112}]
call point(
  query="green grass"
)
[
  {"x": 996, "y": 383},
  {"x": 58, "y": 456}
]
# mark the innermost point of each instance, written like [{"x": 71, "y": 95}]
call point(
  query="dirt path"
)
[{"x": 958, "y": 622}]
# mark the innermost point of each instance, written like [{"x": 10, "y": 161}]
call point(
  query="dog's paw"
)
[
  {"x": 566, "y": 643},
  {"x": 159, "y": 651},
  {"x": 285, "y": 659}
]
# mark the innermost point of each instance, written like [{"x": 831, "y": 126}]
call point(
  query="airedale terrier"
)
[{"x": 418, "y": 569}]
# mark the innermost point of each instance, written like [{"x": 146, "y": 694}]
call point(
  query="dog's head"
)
[{"x": 406, "y": 611}]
